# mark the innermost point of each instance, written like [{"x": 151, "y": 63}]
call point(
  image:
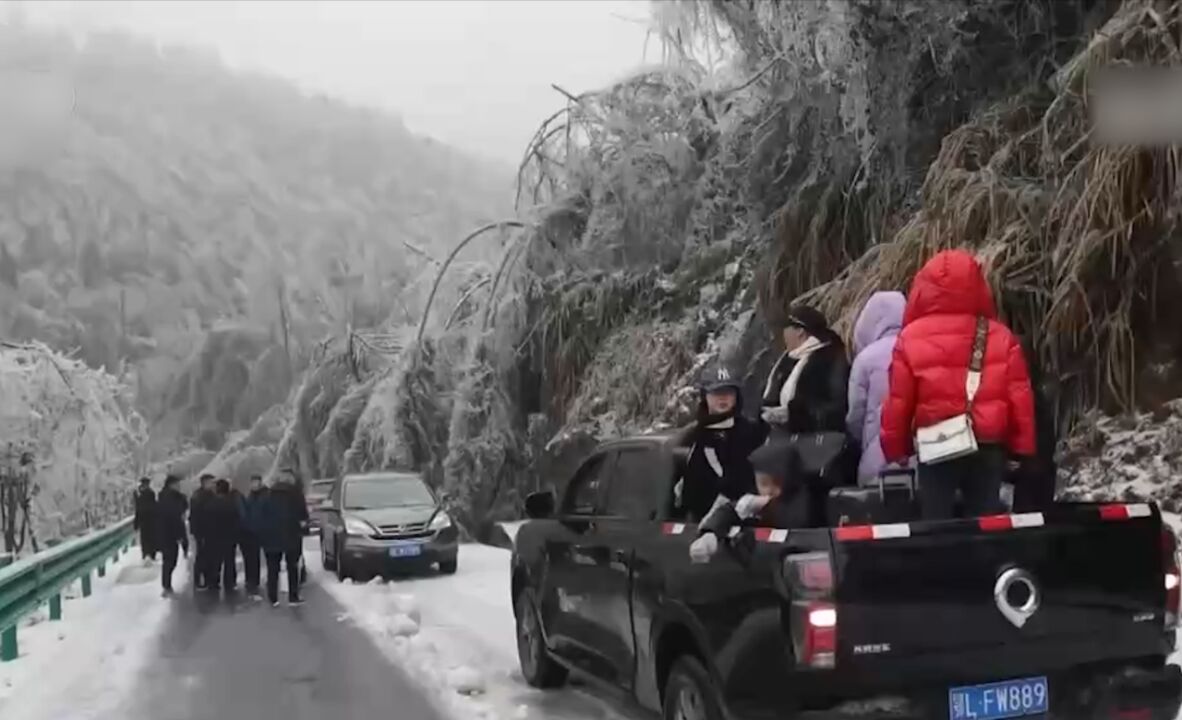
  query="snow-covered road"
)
[
  {"x": 455, "y": 635},
  {"x": 83, "y": 667}
]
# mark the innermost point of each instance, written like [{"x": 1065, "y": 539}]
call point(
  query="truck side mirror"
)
[{"x": 539, "y": 505}]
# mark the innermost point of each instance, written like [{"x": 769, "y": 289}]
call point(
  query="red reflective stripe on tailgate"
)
[
  {"x": 994, "y": 523},
  {"x": 1114, "y": 512},
  {"x": 854, "y": 533}
]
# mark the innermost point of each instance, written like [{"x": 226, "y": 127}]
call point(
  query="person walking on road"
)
[
  {"x": 224, "y": 516},
  {"x": 145, "y": 518},
  {"x": 253, "y": 526},
  {"x": 170, "y": 529},
  {"x": 960, "y": 394},
  {"x": 199, "y": 525},
  {"x": 286, "y": 516}
]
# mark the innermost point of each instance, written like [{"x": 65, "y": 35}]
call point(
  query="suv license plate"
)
[
  {"x": 406, "y": 551},
  {"x": 1009, "y": 699}
]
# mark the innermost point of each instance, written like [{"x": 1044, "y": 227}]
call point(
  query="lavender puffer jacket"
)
[{"x": 874, "y": 340}]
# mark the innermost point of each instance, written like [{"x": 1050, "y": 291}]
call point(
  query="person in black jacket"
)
[
  {"x": 203, "y": 564},
  {"x": 284, "y": 518},
  {"x": 1035, "y": 478},
  {"x": 254, "y": 507},
  {"x": 170, "y": 529},
  {"x": 807, "y": 388},
  {"x": 782, "y": 502},
  {"x": 145, "y": 518},
  {"x": 720, "y": 441},
  {"x": 225, "y": 521}
]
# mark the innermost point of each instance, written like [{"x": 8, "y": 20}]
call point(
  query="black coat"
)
[
  {"x": 170, "y": 517},
  {"x": 199, "y": 516},
  {"x": 1034, "y": 484},
  {"x": 701, "y": 483},
  {"x": 820, "y": 402},
  {"x": 224, "y": 518},
  {"x": 284, "y": 515},
  {"x": 145, "y": 509}
]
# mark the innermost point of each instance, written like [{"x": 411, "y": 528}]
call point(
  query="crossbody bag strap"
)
[{"x": 972, "y": 381}]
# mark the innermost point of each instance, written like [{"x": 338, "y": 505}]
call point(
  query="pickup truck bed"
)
[
  {"x": 1069, "y": 613},
  {"x": 918, "y": 612}
]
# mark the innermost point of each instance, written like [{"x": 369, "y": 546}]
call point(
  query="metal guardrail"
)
[{"x": 27, "y": 583}]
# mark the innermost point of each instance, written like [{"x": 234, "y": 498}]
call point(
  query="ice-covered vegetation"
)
[
  {"x": 815, "y": 150},
  {"x": 783, "y": 151},
  {"x": 73, "y": 446}
]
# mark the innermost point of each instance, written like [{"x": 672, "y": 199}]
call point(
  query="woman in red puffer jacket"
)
[{"x": 929, "y": 367}]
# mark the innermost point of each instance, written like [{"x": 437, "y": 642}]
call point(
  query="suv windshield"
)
[{"x": 383, "y": 492}]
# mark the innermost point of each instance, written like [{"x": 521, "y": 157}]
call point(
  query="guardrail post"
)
[
  {"x": 8, "y": 646},
  {"x": 55, "y": 606},
  {"x": 102, "y": 569},
  {"x": 86, "y": 584}
]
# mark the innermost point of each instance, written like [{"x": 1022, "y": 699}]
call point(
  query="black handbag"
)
[
  {"x": 891, "y": 500},
  {"x": 820, "y": 457}
]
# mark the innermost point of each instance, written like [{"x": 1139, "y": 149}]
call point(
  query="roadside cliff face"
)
[{"x": 666, "y": 216}]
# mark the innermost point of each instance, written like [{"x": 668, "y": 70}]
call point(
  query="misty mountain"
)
[{"x": 195, "y": 227}]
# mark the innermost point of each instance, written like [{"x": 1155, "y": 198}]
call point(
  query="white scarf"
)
[{"x": 801, "y": 355}]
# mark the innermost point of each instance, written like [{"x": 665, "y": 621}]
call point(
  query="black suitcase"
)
[{"x": 890, "y": 500}]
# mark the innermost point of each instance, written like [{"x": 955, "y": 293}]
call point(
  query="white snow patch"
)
[
  {"x": 1128, "y": 458},
  {"x": 74, "y": 669},
  {"x": 464, "y": 648},
  {"x": 466, "y": 680},
  {"x": 511, "y": 529}
]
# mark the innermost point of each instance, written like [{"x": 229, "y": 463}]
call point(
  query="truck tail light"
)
[
  {"x": 812, "y": 612},
  {"x": 1173, "y": 578}
]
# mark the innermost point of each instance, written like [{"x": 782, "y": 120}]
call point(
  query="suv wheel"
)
[
  {"x": 690, "y": 693},
  {"x": 449, "y": 567},
  {"x": 537, "y": 667}
]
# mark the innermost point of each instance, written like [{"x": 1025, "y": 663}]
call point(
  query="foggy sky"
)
[{"x": 474, "y": 74}]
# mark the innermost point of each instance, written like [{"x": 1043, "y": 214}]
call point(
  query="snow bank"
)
[
  {"x": 72, "y": 651},
  {"x": 455, "y": 636},
  {"x": 1128, "y": 457}
]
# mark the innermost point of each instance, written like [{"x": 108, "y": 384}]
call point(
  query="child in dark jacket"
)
[{"x": 782, "y": 502}]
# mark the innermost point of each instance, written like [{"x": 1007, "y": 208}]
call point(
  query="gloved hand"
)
[
  {"x": 749, "y": 506},
  {"x": 775, "y": 415},
  {"x": 702, "y": 549}
]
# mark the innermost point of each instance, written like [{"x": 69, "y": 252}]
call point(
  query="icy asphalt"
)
[{"x": 229, "y": 659}]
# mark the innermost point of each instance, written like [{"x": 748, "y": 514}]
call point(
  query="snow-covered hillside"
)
[{"x": 1127, "y": 457}]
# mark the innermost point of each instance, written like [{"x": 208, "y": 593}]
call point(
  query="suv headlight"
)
[
  {"x": 357, "y": 526},
  {"x": 440, "y": 521}
]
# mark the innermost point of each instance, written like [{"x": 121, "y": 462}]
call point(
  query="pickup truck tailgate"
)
[{"x": 916, "y": 592}]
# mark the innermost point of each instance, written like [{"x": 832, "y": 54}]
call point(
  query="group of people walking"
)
[
  {"x": 937, "y": 384},
  {"x": 267, "y": 522}
]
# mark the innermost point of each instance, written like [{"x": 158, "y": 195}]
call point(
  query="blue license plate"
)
[
  {"x": 1009, "y": 699},
  {"x": 406, "y": 551}
]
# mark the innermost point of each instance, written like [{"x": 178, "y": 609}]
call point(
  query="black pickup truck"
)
[{"x": 1069, "y": 613}]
